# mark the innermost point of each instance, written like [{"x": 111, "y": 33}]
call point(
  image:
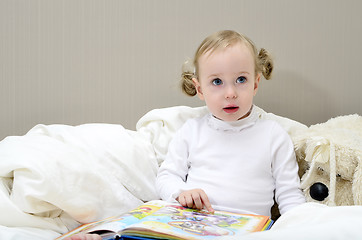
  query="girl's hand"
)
[{"x": 195, "y": 198}]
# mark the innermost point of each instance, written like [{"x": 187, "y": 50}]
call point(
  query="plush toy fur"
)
[{"x": 330, "y": 154}]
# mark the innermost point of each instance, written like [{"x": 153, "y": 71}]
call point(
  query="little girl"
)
[{"x": 230, "y": 159}]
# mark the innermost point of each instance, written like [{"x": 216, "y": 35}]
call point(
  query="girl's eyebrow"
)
[
  {"x": 214, "y": 75},
  {"x": 218, "y": 74},
  {"x": 244, "y": 72}
]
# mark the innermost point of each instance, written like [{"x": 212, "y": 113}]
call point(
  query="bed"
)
[{"x": 56, "y": 177}]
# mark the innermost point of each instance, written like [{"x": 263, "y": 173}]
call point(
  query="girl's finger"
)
[
  {"x": 189, "y": 200},
  {"x": 197, "y": 200},
  {"x": 181, "y": 200},
  {"x": 206, "y": 202}
]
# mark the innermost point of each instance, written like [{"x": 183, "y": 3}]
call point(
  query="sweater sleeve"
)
[
  {"x": 285, "y": 171},
  {"x": 171, "y": 177}
]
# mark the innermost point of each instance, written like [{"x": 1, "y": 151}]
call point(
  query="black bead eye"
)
[{"x": 318, "y": 191}]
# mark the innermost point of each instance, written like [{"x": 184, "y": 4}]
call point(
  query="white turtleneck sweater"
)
[{"x": 238, "y": 164}]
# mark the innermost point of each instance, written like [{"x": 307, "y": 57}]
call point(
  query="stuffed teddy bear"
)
[{"x": 330, "y": 161}]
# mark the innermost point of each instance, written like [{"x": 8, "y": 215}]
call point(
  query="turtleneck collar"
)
[{"x": 234, "y": 126}]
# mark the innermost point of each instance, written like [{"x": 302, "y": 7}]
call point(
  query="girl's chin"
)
[
  {"x": 233, "y": 117},
  {"x": 229, "y": 118}
]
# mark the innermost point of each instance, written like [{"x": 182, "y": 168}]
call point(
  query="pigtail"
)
[
  {"x": 265, "y": 63},
  {"x": 187, "y": 85}
]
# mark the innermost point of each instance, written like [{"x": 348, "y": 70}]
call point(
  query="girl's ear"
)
[
  {"x": 256, "y": 83},
  {"x": 198, "y": 88}
]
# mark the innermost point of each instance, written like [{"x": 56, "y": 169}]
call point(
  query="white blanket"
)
[
  {"x": 313, "y": 221},
  {"x": 57, "y": 176}
]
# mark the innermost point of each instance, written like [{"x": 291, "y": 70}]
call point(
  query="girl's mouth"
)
[{"x": 231, "y": 109}]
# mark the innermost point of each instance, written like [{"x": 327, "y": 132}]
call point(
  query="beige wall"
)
[{"x": 74, "y": 62}]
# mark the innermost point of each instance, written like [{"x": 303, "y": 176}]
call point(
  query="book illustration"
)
[
  {"x": 116, "y": 223},
  {"x": 188, "y": 223},
  {"x": 162, "y": 220}
]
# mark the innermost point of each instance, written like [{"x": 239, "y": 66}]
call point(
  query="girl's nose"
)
[{"x": 230, "y": 92}]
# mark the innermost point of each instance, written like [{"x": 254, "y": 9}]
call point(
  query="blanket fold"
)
[{"x": 57, "y": 176}]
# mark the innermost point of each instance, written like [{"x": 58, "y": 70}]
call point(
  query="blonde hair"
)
[{"x": 222, "y": 40}]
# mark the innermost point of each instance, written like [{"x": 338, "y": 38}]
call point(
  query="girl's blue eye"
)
[
  {"x": 241, "y": 79},
  {"x": 217, "y": 81}
]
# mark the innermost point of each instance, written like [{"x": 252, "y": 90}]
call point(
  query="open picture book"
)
[{"x": 161, "y": 220}]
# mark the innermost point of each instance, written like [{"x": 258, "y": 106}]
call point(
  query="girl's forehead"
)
[
  {"x": 236, "y": 58},
  {"x": 236, "y": 50},
  {"x": 223, "y": 49}
]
